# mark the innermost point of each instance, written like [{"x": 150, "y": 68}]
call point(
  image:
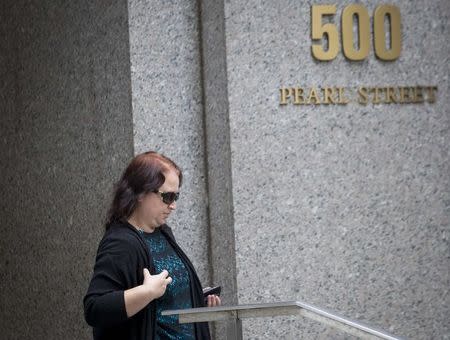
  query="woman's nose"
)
[{"x": 173, "y": 205}]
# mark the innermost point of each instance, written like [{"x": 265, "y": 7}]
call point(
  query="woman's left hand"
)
[{"x": 213, "y": 301}]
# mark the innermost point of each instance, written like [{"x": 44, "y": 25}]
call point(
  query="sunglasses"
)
[{"x": 168, "y": 197}]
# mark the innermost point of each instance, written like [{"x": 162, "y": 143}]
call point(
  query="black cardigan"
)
[{"x": 121, "y": 258}]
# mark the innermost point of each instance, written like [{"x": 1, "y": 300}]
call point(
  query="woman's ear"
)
[{"x": 140, "y": 198}]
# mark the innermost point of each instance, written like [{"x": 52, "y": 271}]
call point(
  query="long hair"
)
[{"x": 143, "y": 175}]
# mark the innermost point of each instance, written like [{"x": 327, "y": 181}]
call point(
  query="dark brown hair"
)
[{"x": 144, "y": 174}]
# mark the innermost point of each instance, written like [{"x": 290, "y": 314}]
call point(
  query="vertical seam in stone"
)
[
  {"x": 205, "y": 140},
  {"x": 218, "y": 175},
  {"x": 216, "y": 164},
  {"x": 130, "y": 88}
]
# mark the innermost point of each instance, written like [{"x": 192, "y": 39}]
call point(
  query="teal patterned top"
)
[{"x": 178, "y": 293}]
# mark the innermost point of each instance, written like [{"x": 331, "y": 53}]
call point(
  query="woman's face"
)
[{"x": 152, "y": 209}]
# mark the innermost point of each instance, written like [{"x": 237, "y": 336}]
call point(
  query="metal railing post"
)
[{"x": 234, "y": 327}]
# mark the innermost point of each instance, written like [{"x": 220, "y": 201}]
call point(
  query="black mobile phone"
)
[{"x": 212, "y": 291}]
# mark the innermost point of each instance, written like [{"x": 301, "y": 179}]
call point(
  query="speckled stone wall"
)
[
  {"x": 66, "y": 134},
  {"x": 168, "y": 111},
  {"x": 345, "y": 207}
]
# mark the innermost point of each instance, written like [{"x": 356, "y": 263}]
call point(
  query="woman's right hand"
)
[
  {"x": 152, "y": 288},
  {"x": 156, "y": 284}
]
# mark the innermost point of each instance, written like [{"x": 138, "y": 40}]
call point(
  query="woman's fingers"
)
[
  {"x": 166, "y": 277},
  {"x": 213, "y": 301},
  {"x": 156, "y": 284}
]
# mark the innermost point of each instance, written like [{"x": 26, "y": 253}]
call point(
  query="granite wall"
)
[
  {"x": 342, "y": 206},
  {"x": 168, "y": 111},
  {"x": 66, "y": 134}
]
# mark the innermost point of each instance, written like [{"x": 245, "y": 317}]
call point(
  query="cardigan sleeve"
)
[{"x": 104, "y": 303}]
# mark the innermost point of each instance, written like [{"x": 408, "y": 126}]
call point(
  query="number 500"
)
[{"x": 349, "y": 14}]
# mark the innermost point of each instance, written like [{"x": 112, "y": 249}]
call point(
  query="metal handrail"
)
[{"x": 236, "y": 313}]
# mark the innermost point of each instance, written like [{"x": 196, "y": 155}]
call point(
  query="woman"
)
[{"x": 140, "y": 270}]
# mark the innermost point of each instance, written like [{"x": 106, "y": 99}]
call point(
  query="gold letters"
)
[
  {"x": 324, "y": 29},
  {"x": 342, "y": 99},
  {"x": 313, "y": 96},
  {"x": 328, "y": 93},
  {"x": 298, "y": 96},
  {"x": 285, "y": 93},
  {"x": 431, "y": 91},
  {"x": 363, "y": 95}
]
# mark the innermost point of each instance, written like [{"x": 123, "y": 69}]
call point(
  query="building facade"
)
[{"x": 314, "y": 142}]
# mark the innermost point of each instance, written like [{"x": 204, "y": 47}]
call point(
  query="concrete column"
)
[
  {"x": 218, "y": 153},
  {"x": 66, "y": 134},
  {"x": 168, "y": 110}
]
